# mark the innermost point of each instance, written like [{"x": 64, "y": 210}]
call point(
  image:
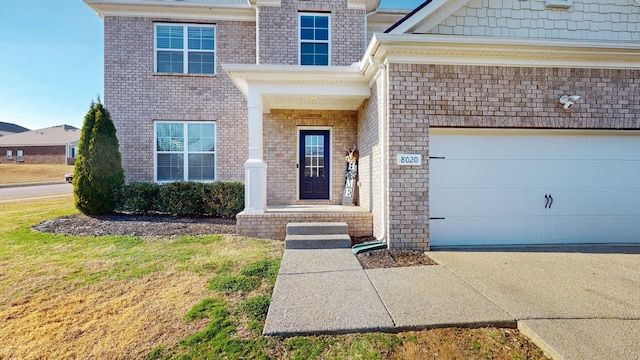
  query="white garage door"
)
[{"x": 501, "y": 187}]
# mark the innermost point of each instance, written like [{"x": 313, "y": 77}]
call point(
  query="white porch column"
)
[{"x": 255, "y": 169}]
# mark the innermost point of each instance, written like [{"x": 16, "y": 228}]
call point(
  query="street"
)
[{"x": 11, "y": 193}]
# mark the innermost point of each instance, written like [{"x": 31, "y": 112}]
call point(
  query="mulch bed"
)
[
  {"x": 388, "y": 258},
  {"x": 151, "y": 226}
]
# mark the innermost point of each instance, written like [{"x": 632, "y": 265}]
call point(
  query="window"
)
[
  {"x": 185, "y": 151},
  {"x": 20, "y": 155},
  {"x": 189, "y": 49},
  {"x": 9, "y": 155},
  {"x": 315, "y": 42}
]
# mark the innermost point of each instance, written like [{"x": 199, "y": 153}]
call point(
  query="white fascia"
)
[
  {"x": 306, "y": 87},
  {"x": 491, "y": 51},
  {"x": 157, "y": 8}
]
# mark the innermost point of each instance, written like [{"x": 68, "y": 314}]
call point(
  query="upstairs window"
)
[
  {"x": 188, "y": 49},
  {"x": 315, "y": 41}
]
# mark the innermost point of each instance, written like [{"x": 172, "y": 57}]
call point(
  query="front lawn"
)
[{"x": 202, "y": 297}]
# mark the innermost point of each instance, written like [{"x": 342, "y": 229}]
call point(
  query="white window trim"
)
[
  {"x": 186, "y": 150},
  {"x": 185, "y": 49},
  {"x": 298, "y": 130},
  {"x": 300, "y": 15},
  {"x": 20, "y": 155},
  {"x": 9, "y": 154}
]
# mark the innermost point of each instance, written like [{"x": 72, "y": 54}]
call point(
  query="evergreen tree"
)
[{"x": 98, "y": 166}]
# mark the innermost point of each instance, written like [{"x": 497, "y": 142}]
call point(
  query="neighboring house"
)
[
  {"x": 52, "y": 145},
  {"x": 10, "y": 129},
  {"x": 455, "y": 110}
]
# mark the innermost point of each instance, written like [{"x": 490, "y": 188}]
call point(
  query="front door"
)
[{"x": 314, "y": 164}]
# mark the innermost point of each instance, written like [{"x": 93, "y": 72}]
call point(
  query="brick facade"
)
[
  {"x": 136, "y": 96},
  {"x": 370, "y": 164},
  {"x": 279, "y": 31},
  {"x": 274, "y": 225},
  {"x": 37, "y": 155},
  {"x": 520, "y": 97}
]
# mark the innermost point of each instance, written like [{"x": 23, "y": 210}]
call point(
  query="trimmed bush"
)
[
  {"x": 183, "y": 198},
  {"x": 138, "y": 198},
  {"x": 98, "y": 168},
  {"x": 224, "y": 199}
]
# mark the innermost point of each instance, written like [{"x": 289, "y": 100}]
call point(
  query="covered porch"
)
[{"x": 297, "y": 113}]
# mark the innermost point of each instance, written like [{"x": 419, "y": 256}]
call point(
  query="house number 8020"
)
[{"x": 409, "y": 159}]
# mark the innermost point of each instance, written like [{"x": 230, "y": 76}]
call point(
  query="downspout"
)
[
  {"x": 383, "y": 134},
  {"x": 366, "y": 26}
]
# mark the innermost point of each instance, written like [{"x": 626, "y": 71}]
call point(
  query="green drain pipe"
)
[{"x": 376, "y": 245}]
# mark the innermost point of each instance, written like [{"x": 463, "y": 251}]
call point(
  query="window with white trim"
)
[
  {"x": 185, "y": 48},
  {"x": 9, "y": 155},
  {"x": 185, "y": 151},
  {"x": 20, "y": 155},
  {"x": 315, "y": 39}
]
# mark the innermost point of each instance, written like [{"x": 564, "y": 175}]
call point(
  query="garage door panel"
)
[
  {"x": 525, "y": 174},
  {"x": 580, "y": 147},
  {"x": 471, "y": 231},
  {"x": 532, "y": 202},
  {"x": 490, "y": 188}
]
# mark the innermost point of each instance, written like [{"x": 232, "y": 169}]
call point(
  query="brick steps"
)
[{"x": 317, "y": 235}]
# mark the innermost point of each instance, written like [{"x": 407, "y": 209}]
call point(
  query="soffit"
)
[
  {"x": 301, "y": 87},
  {"x": 197, "y": 10}
]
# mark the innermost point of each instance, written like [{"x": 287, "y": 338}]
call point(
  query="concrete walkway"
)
[{"x": 574, "y": 305}]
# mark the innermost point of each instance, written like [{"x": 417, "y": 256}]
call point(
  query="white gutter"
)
[{"x": 383, "y": 134}]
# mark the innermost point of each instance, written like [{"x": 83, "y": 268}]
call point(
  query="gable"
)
[{"x": 616, "y": 20}]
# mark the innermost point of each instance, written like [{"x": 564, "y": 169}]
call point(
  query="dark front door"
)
[{"x": 314, "y": 164}]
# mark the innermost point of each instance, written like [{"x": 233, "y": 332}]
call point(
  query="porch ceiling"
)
[{"x": 301, "y": 87}]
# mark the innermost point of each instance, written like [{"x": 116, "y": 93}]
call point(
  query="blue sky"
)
[{"x": 52, "y": 60}]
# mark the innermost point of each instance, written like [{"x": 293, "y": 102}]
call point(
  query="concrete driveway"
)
[{"x": 574, "y": 303}]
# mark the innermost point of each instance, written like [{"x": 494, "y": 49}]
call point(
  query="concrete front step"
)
[
  {"x": 331, "y": 241},
  {"x": 317, "y": 235},
  {"x": 317, "y": 228}
]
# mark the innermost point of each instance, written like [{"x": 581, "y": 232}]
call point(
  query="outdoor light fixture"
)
[{"x": 569, "y": 100}]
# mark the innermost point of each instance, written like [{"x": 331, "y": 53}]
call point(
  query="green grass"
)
[{"x": 226, "y": 320}]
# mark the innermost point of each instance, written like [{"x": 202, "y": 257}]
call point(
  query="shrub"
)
[
  {"x": 224, "y": 199},
  {"x": 221, "y": 199},
  {"x": 183, "y": 198},
  {"x": 138, "y": 198},
  {"x": 98, "y": 169}
]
